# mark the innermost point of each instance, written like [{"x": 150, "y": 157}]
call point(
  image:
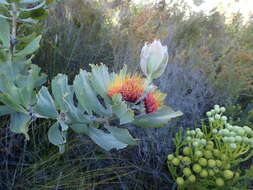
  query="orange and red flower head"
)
[
  {"x": 130, "y": 87},
  {"x": 153, "y": 101}
]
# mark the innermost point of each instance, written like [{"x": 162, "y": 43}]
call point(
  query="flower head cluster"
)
[
  {"x": 211, "y": 152},
  {"x": 132, "y": 89}
]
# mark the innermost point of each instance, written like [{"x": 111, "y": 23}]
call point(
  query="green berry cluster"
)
[{"x": 210, "y": 155}]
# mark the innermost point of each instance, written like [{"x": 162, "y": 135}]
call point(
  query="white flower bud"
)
[{"x": 154, "y": 58}]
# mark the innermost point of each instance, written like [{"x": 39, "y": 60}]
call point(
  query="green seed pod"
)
[
  {"x": 180, "y": 181},
  {"x": 198, "y": 154},
  {"x": 212, "y": 111},
  {"x": 187, "y": 151},
  {"x": 217, "y": 108},
  {"x": 216, "y": 152},
  {"x": 175, "y": 161},
  {"x": 197, "y": 168},
  {"x": 218, "y": 163},
  {"x": 170, "y": 157},
  {"x": 192, "y": 178},
  {"x": 211, "y": 172},
  {"x": 228, "y": 174},
  {"x": 231, "y": 139},
  {"x": 203, "y": 173},
  {"x": 240, "y": 132},
  {"x": 208, "y": 154},
  {"x": 186, "y": 160},
  {"x": 202, "y": 161},
  {"x": 219, "y": 182},
  {"x": 187, "y": 172},
  {"x": 211, "y": 163}
]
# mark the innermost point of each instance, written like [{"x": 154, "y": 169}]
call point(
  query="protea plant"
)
[{"x": 92, "y": 105}]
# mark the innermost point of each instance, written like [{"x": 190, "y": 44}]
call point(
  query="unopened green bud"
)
[
  {"x": 211, "y": 172},
  {"x": 224, "y": 118},
  {"x": 186, "y": 160},
  {"x": 192, "y": 178},
  {"x": 175, "y": 161},
  {"x": 209, "y": 114},
  {"x": 217, "y": 117},
  {"x": 195, "y": 144},
  {"x": 219, "y": 182},
  {"x": 211, "y": 119},
  {"x": 203, "y": 142},
  {"x": 197, "y": 168},
  {"x": 208, "y": 154},
  {"x": 211, "y": 163},
  {"x": 228, "y": 174},
  {"x": 218, "y": 163},
  {"x": 214, "y": 131},
  {"x": 203, "y": 173},
  {"x": 170, "y": 157},
  {"x": 216, "y": 152},
  {"x": 198, "y": 154},
  {"x": 238, "y": 139},
  {"x": 202, "y": 161},
  {"x": 180, "y": 181},
  {"x": 223, "y": 109},
  {"x": 187, "y": 172},
  {"x": 187, "y": 151}
]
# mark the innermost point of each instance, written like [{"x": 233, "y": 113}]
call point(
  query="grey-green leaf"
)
[
  {"x": 122, "y": 135},
  {"x": 5, "y": 32},
  {"x": 105, "y": 140},
  {"x": 56, "y": 136},
  {"x": 20, "y": 123},
  {"x": 157, "y": 119},
  {"x": 4, "y": 110},
  {"x": 45, "y": 104},
  {"x": 30, "y": 48}
]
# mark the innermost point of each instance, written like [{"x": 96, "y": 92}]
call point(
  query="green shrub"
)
[{"x": 210, "y": 157}]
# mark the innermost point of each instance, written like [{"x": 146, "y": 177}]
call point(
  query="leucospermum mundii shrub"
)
[
  {"x": 209, "y": 157},
  {"x": 96, "y": 104}
]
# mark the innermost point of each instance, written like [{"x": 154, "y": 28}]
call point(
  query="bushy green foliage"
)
[{"x": 210, "y": 157}]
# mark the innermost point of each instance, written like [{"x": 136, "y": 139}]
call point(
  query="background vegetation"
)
[{"x": 211, "y": 62}]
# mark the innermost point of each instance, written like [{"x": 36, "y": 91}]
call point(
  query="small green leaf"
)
[
  {"x": 30, "y": 48},
  {"x": 5, "y": 32},
  {"x": 122, "y": 135},
  {"x": 57, "y": 137},
  {"x": 45, "y": 104},
  {"x": 157, "y": 119},
  {"x": 105, "y": 140},
  {"x": 20, "y": 123}
]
